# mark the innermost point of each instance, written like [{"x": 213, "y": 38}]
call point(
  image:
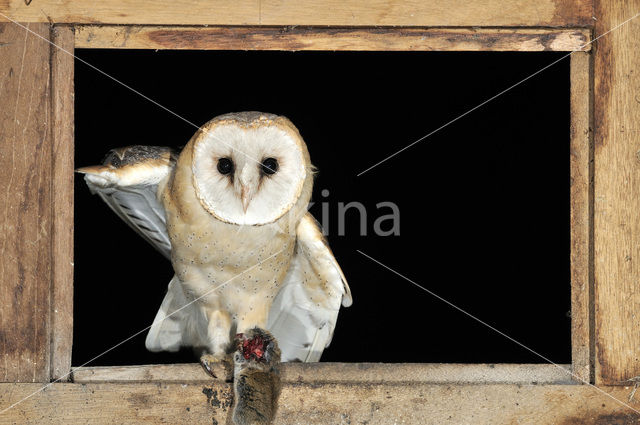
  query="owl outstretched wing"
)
[
  {"x": 304, "y": 313},
  {"x": 128, "y": 181}
]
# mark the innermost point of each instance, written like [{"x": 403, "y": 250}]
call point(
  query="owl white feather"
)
[{"x": 231, "y": 213}]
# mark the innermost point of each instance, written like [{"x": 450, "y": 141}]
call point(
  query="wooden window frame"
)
[
  {"x": 400, "y": 39},
  {"x": 37, "y": 252}
]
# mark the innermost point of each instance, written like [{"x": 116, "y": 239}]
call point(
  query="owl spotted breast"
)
[{"x": 230, "y": 211}]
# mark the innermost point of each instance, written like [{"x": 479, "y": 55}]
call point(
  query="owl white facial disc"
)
[{"x": 248, "y": 172}]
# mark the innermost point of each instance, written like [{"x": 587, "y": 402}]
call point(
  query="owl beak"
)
[{"x": 246, "y": 198}]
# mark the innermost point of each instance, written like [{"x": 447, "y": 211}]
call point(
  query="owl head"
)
[{"x": 250, "y": 168}]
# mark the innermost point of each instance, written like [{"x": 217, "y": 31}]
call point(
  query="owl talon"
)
[
  {"x": 217, "y": 367},
  {"x": 208, "y": 363}
]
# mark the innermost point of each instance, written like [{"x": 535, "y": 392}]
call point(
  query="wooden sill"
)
[{"x": 322, "y": 373}]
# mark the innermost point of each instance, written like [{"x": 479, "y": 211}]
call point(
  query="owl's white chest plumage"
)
[{"x": 239, "y": 268}]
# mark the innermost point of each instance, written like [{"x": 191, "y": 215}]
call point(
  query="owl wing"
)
[
  {"x": 128, "y": 181},
  {"x": 304, "y": 313}
]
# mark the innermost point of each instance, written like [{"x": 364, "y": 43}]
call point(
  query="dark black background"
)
[{"x": 484, "y": 202}]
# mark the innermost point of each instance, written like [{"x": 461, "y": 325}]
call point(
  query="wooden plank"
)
[
  {"x": 62, "y": 162},
  {"x": 581, "y": 219},
  {"x": 554, "y": 13},
  {"x": 488, "y": 13},
  {"x": 369, "y": 373},
  {"x": 25, "y": 204},
  {"x": 314, "y": 38},
  {"x": 167, "y": 12},
  {"x": 301, "y": 403},
  {"x": 617, "y": 193}
]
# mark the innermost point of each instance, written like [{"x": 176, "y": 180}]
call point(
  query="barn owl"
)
[{"x": 230, "y": 212}]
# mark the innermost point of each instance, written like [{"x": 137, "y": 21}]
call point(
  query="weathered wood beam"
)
[
  {"x": 62, "y": 164},
  {"x": 338, "y": 403},
  {"x": 581, "y": 218},
  {"x": 25, "y": 204},
  {"x": 319, "y": 38},
  {"x": 493, "y": 13},
  {"x": 617, "y": 192}
]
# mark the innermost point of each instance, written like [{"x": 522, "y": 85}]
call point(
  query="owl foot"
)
[{"x": 217, "y": 367}]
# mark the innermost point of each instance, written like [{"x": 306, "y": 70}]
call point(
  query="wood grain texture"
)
[
  {"x": 309, "y": 404},
  {"x": 488, "y": 13},
  {"x": 581, "y": 220},
  {"x": 371, "y": 373},
  {"x": 617, "y": 193},
  {"x": 62, "y": 186},
  {"x": 314, "y": 38},
  {"x": 554, "y": 13},
  {"x": 25, "y": 204}
]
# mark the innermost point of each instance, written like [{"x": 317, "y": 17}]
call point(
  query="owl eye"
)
[
  {"x": 269, "y": 166},
  {"x": 225, "y": 165}
]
